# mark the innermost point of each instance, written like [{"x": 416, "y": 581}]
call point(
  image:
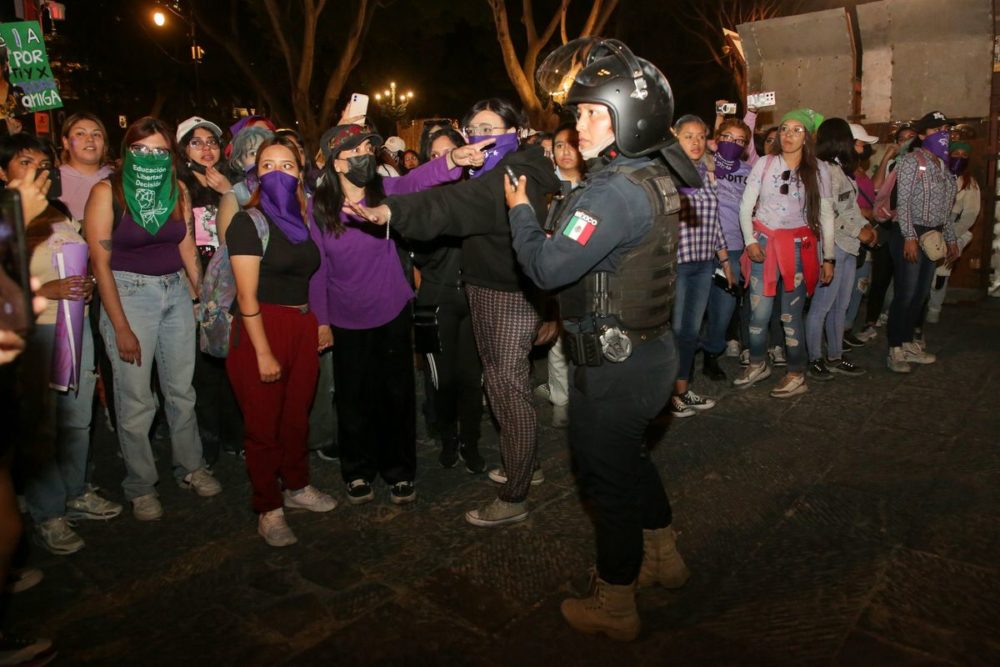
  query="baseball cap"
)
[
  {"x": 861, "y": 134},
  {"x": 932, "y": 119},
  {"x": 345, "y": 137},
  {"x": 193, "y": 123},
  {"x": 395, "y": 144}
]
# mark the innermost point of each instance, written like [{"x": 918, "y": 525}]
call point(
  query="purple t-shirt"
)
[
  {"x": 360, "y": 283},
  {"x": 135, "y": 250},
  {"x": 730, "y": 188}
]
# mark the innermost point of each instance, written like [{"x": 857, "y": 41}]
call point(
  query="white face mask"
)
[{"x": 593, "y": 151}]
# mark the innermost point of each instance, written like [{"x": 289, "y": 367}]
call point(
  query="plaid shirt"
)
[{"x": 701, "y": 234}]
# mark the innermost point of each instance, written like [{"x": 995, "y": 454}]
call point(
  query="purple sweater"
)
[{"x": 360, "y": 283}]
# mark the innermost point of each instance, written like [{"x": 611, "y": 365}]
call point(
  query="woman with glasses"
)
[
  {"x": 200, "y": 153},
  {"x": 141, "y": 236},
  {"x": 828, "y": 309},
  {"x": 785, "y": 214},
  {"x": 504, "y": 319},
  {"x": 701, "y": 249}
]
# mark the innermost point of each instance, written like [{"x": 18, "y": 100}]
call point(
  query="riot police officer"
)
[{"x": 613, "y": 256}]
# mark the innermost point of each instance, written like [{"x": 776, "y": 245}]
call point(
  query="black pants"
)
[
  {"x": 610, "y": 409},
  {"x": 458, "y": 399},
  {"x": 881, "y": 278},
  {"x": 376, "y": 401},
  {"x": 218, "y": 414}
]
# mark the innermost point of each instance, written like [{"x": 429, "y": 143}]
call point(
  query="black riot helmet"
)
[{"x": 605, "y": 71}]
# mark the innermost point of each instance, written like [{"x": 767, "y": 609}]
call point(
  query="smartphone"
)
[
  {"x": 727, "y": 109},
  {"x": 358, "y": 105},
  {"x": 197, "y": 166},
  {"x": 15, "y": 284},
  {"x": 720, "y": 280},
  {"x": 512, "y": 177},
  {"x": 55, "y": 178}
]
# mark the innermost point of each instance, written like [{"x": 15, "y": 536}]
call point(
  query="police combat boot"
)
[
  {"x": 609, "y": 609},
  {"x": 661, "y": 562}
]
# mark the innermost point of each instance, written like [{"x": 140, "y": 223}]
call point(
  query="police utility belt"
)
[{"x": 591, "y": 340}]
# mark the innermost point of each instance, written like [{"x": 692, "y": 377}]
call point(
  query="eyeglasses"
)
[
  {"x": 142, "y": 150},
  {"x": 739, "y": 141},
  {"x": 792, "y": 129},
  {"x": 198, "y": 144},
  {"x": 769, "y": 140},
  {"x": 483, "y": 130},
  {"x": 786, "y": 176}
]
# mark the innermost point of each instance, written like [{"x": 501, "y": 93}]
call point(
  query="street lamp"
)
[
  {"x": 160, "y": 20},
  {"x": 393, "y": 104}
]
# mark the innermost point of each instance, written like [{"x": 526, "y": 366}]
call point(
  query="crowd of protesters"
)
[{"x": 791, "y": 230}]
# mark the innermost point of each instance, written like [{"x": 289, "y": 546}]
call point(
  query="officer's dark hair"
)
[
  {"x": 13, "y": 145},
  {"x": 511, "y": 115},
  {"x": 835, "y": 144}
]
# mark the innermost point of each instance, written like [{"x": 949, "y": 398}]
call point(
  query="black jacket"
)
[{"x": 476, "y": 210}]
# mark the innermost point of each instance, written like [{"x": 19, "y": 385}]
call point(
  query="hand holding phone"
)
[
  {"x": 512, "y": 177},
  {"x": 725, "y": 109},
  {"x": 357, "y": 108}
]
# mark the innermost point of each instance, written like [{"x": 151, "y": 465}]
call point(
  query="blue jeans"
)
[
  {"x": 911, "y": 286},
  {"x": 721, "y": 306},
  {"x": 862, "y": 281},
  {"x": 57, "y": 455},
  {"x": 829, "y": 308},
  {"x": 792, "y": 304},
  {"x": 694, "y": 284},
  {"x": 158, "y": 309}
]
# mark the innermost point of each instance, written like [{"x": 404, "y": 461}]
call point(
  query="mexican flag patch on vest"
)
[{"x": 580, "y": 227}]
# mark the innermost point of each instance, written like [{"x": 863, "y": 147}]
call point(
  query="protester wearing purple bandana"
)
[{"x": 279, "y": 199}]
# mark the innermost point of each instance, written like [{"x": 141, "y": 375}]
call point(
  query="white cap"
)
[
  {"x": 860, "y": 134},
  {"x": 193, "y": 123},
  {"x": 395, "y": 144}
]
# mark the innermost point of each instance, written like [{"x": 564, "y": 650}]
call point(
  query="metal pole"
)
[{"x": 196, "y": 57}]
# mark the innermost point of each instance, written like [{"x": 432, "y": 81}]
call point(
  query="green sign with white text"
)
[{"x": 26, "y": 69}]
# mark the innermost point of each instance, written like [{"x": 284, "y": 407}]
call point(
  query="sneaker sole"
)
[
  {"x": 202, "y": 494},
  {"x": 292, "y": 505},
  {"x": 801, "y": 389},
  {"x": 683, "y": 414},
  {"x": 534, "y": 481},
  {"x": 483, "y": 523},
  {"x": 901, "y": 370},
  {"x": 325, "y": 457},
  {"x": 821, "y": 378},
  {"x": 703, "y": 407},
  {"x": 403, "y": 500},
  {"x": 294, "y": 540},
  {"x": 855, "y": 374},
  {"x": 922, "y": 362},
  {"x": 88, "y": 516},
  {"x": 763, "y": 376}
]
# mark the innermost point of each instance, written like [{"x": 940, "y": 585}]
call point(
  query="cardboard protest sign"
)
[{"x": 26, "y": 68}]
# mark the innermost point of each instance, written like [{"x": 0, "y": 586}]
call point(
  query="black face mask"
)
[{"x": 361, "y": 170}]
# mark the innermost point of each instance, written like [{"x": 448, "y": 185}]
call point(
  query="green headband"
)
[
  {"x": 810, "y": 119},
  {"x": 960, "y": 146}
]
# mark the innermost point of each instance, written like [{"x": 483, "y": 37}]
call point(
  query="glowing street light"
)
[
  {"x": 393, "y": 104},
  {"x": 159, "y": 18}
]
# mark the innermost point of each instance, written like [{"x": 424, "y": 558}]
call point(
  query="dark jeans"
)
[
  {"x": 882, "y": 269},
  {"x": 376, "y": 403},
  {"x": 694, "y": 286},
  {"x": 610, "y": 408},
  {"x": 458, "y": 397},
  {"x": 913, "y": 285},
  {"x": 721, "y": 308},
  {"x": 219, "y": 418}
]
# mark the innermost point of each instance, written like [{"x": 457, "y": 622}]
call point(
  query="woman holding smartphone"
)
[{"x": 140, "y": 231}]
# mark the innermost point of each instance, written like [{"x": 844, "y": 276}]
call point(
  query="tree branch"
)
[
  {"x": 279, "y": 34},
  {"x": 338, "y": 77},
  {"x": 605, "y": 16}
]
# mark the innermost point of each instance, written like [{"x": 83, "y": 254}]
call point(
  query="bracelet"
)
[
  {"x": 251, "y": 315},
  {"x": 196, "y": 299}
]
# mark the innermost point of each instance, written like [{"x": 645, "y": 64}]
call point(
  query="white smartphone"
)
[{"x": 358, "y": 105}]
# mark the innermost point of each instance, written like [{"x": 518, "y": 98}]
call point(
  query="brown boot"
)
[
  {"x": 661, "y": 562},
  {"x": 610, "y": 609}
]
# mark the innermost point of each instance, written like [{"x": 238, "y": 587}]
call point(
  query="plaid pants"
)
[{"x": 505, "y": 325}]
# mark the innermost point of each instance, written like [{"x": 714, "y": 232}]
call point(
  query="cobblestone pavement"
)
[{"x": 858, "y": 524}]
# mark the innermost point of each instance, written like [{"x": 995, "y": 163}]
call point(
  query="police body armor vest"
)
[{"x": 639, "y": 296}]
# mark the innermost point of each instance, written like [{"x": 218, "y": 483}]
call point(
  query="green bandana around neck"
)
[{"x": 149, "y": 195}]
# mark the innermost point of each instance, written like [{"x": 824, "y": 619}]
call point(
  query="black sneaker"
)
[
  {"x": 712, "y": 369},
  {"x": 402, "y": 493},
  {"x": 819, "y": 371},
  {"x": 329, "y": 453},
  {"x": 474, "y": 462},
  {"x": 852, "y": 341},
  {"x": 24, "y": 651},
  {"x": 844, "y": 367},
  {"x": 359, "y": 492},
  {"x": 449, "y": 452}
]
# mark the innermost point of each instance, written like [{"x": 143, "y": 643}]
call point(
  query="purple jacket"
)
[{"x": 360, "y": 283}]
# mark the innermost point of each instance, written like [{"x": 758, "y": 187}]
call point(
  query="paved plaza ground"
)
[{"x": 858, "y": 524}]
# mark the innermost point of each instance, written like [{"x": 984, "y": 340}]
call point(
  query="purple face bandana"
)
[
  {"x": 727, "y": 157},
  {"x": 956, "y": 165},
  {"x": 505, "y": 143},
  {"x": 278, "y": 200},
  {"x": 937, "y": 144}
]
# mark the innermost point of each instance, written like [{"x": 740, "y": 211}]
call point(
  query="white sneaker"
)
[
  {"x": 913, "y": 353},
  {"x": 933, "y": 316},
  {"x": 309, "y": 498},
  {"x": 733, "y": 348},
  {"x": 497, "y": 513},
  {"x": 868, "y": 334},
  {"x": 201, "y": 482},
  {"x": 92, "y": 506},
  {"x": 543, "y": 391},
  {"x": 499, "y": 475},
  {"x": 56, "y": 535},
  {"x": 790, "y": 385},
  {"x": 274, "y": 529},
  {"x": 896, "y": 361},
  {"x": 777, "y": 354},
  {"x": 883, "y": 318},
  {"x": 147, "y": 507},
  {"x": 751, "y": 375}
]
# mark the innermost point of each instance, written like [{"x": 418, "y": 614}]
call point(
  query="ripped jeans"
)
[{"x": 792, "y": 322}]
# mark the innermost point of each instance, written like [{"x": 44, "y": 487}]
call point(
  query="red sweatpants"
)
[{"x": 276, "y": 414}]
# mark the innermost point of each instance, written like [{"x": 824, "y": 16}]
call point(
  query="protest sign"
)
[{"x": 27, "y": 66}]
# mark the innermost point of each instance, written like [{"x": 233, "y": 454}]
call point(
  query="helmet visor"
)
[{"x": 570, "y": 64}]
